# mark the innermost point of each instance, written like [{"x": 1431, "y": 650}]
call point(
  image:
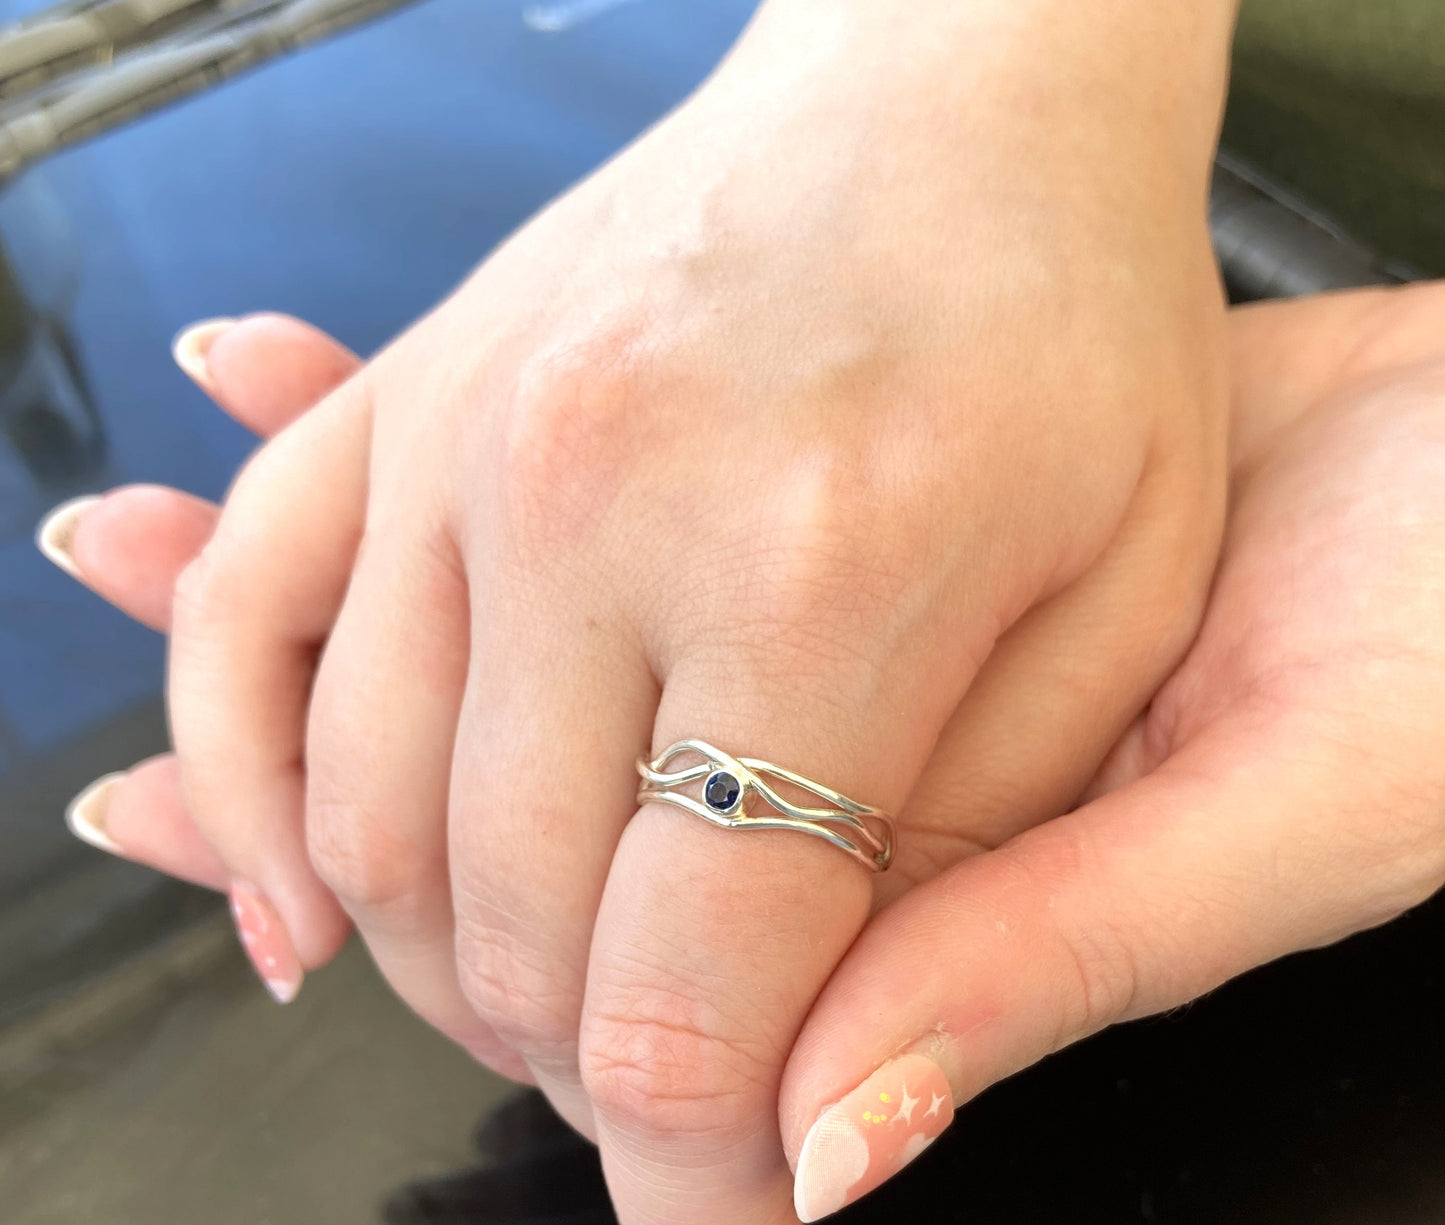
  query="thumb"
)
[{"x": 1237, "y": 850}]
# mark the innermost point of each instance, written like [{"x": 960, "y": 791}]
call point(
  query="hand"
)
[
  {"x": 604, "y": 500},
  {"x": 1285, "y": 789},
  {"x": 1171, "y": 881},
  {"x": 131, "y": 546}
]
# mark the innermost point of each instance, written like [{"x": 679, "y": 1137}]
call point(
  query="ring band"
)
[{"x": 864, "y": 832}]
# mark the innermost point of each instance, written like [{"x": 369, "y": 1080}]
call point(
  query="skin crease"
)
[
  {"x": 886, "y": 355},
  {"x": 1337, "y": 413}
]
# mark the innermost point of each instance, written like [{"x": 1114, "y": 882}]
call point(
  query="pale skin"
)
[
  {"x": 848, "y": 377},
  {"x": 912, "y": 481},
  {"x": 1282, "y": 790}
]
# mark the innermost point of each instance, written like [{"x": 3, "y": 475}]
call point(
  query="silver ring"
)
[{"x": 864, "y": 832}]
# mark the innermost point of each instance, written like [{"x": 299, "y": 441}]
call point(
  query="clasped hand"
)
[{"x": 914, "y": 485}]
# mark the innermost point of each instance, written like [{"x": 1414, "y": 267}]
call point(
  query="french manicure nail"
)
[
  {"x": 55, "y": 537},
  {"x": 85, "y": 815},
  {"x": 862, "y": 1141},
  {"x": 192, "y": 347},
  {"x": 267, "y": 943}
]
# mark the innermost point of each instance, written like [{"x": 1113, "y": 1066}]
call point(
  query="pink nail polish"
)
[
  {"x": 267, "y": 943},
  {"x": 861, "y": 1142}
]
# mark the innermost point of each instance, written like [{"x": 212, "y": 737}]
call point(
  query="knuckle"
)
[
  {"x": 1102, "y": 980},
  {"x": 826, "y": 578},
  {"x": 365, "y": 865},
  {"x": 839, "y": 555},
  {"x": 571, "y": 432},
  {"x": 1093, "y": 960},
  {"x": 525, "y": 998},
  {"x": 653, "y": 1069},
  {"x": 219, "y": 581},
  {"x": 202, "y": 591}
]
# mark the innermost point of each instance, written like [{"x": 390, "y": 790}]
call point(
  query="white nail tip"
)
[
  {"x": 806, "y": 1211},
  {"x": 281, "y": 991},
  {"x": 190, "y": 347},
  {"x": 55, "y": 537},
  {"x": 848, "y": 1158},
  {"x": 86, "y": 815}
]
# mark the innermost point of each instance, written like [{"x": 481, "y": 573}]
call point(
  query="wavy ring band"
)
[{"x": 729, "y": 783}]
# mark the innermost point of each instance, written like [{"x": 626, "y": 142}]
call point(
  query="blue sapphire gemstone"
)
[{"x": 721, "y": 790}]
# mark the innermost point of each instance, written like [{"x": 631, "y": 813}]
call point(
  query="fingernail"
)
[
  {"x": 85, "y": 815},
  {"x": 192, "y": 346},
  {"x": 55, "y": 537},
  {"x": 861, "y": 1142},
  {"x": 266, "y": 943}
]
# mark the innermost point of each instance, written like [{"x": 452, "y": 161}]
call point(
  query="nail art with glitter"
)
[{"x": 863, "y": 1140}]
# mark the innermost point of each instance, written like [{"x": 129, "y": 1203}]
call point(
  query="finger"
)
[
  {"x": 139, "y": 815},
  {"x": 1289, "y": 359},
  {"x": 711, "y": 944},
  {"x": 379, "y": 748},
  {"x": 1057, "y": 694},
  {"x": 1240, "y": 849},
  {"x": 131, "y": 545},
  {"x": 249, "y": 615},
  {"x": 1063, "y": 684},
  {"x": 1280, "y": 817},
  {"x": 264, "y": 369},
  {"x": 559, "y": 704}
]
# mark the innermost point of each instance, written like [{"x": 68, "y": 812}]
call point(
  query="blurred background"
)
[{"x": 348, "y": 161}]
